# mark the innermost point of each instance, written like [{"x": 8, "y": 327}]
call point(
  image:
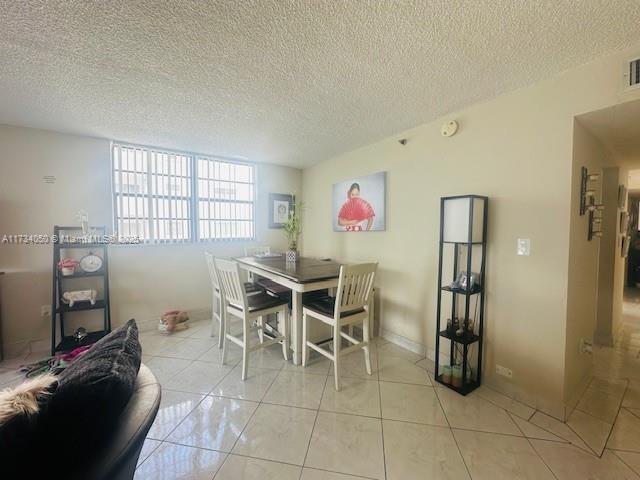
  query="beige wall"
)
[
  {"x": 145, "y": 280},
  {"x": 517, "y": 149},
  {"x": 582, "y": 293}
]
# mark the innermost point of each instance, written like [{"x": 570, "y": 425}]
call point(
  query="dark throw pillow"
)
[{"x": 94, "y": 390}]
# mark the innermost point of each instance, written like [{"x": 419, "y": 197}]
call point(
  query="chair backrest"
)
[
  {"x": 257, "y": 251},
  {"x": 354, "y": 287},
  {"x": 211, "y": 266},
  {"x": 231, "y": 285}
]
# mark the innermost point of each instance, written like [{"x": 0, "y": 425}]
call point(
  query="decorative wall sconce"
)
[{"x": 588, "y": 203}]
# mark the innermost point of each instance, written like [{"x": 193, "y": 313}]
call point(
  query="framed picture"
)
[
  {"x": 624, "y": 223},
  {"x": 280, "y": 204},
  {"x": 622, "y": 196},
  {"x": 359, "y": 204},
  {"x": 624, "y": 247}
]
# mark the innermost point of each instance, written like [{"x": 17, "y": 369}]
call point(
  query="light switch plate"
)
[{"x": 524, "y": 247}]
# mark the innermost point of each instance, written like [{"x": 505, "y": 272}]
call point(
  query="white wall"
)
[
  {"x": 517, "y": 149},
  {"x": 145, "y": 280}
]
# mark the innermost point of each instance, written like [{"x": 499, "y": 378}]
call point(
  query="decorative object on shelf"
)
[
  {"x": 173, "y": 320},
  {"x": 293, "y": 228},
  {"x": 462, "y": 280},
  {"x": 68, "y": 266},
  {"x": 83, "y": 217},
  {"x": 622, "y": 196},
  {"x": 80, "y": 334},
  {"x": 90, "y": 263},
  {"x": 446, "y": 374},
  {"x": 74, "y": 238},
  {"x": 74, "y": 296},
  {"x": 280, "y": 204},
  {"x": 463, "y": 228},
  {"x": 363, "y": 209}
]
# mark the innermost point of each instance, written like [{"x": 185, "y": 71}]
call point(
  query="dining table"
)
[{"x": 303, "y": 275}]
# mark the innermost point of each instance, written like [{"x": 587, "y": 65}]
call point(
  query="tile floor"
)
[{"x": 286, "y": 422}]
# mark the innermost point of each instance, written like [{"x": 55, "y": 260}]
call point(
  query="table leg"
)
[{"x": 296, "y": 326}]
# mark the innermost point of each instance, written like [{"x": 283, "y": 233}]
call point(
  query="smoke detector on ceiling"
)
[{"x": 632, "y": 74}]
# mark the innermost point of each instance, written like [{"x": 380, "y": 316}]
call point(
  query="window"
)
[
  {"x": 158, "y": 198},
  {"x": 225, "y": 199}
]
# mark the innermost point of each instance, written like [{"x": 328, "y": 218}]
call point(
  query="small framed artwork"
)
[
  {"x": 280, "y": 204},
  {"x": 624, "y": 223},
  {"x": 622, "y": 196},
  {"x": 624, "y": 246}
]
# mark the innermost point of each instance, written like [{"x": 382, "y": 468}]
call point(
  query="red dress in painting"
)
[{"x": 356, "y": 209}]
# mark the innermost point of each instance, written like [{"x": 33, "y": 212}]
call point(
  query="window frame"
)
[{"x": 193, "y": 198}]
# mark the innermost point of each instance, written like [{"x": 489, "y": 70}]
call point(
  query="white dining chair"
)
[
  {"x": 250, "y": 309},
  {"x": 217, "y": 316},
  {"x": 348, "y": 307}
]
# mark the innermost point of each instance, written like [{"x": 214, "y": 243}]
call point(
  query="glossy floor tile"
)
[
  {"x": 411, "y": 403},
  {"x": 418, "y": 452},
  {"x": 571, "y": 463},
  {"x": 278, "y": 433},
  {"x": 359, "y": 396},
  {"x": 500, "y": 457},
  {"x": 174, "y": 407},
  {"x": 236, "y": 467},
  {"x": 197, "y": 377},
  {"x": 593, "y": 431},
  {"x": 296, "y": 390},
  {"x": 347, "y": 444},
  {"x": 216, "y": 423},
  {"x": 253, "y": 388},
  {"x": 403, "y": 370},
  {"x": 626, "y": 432},
  {"x": 475, "y": 413},
  {"x": 510, "y": 405},
  {"x": 559, "y": 429},
  {"x": 172, "y": 462}
]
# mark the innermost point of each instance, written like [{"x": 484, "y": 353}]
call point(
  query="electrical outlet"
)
[
  {"x": 586, "y": 346},
  {"x": 504, "y": 371},
  {"x": 45, "y": 311}
]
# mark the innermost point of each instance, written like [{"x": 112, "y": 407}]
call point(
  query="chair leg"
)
[
  {"x": 284, "y": 316},
  {"x": 365, "y": 338},
  {"x": 223, "y": 330},
  {"x": 336, "y": 355},
  {"x": 213, "y": 314},
  {"x": 305, "y": 348},
  {"x": 245, "y": 348},
  {"x": 260, "y": 323},
  {"x": 222, "y": 318}
]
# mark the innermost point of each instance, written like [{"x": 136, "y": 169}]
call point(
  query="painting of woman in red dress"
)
[
  {"x": 355, "y": 211},
  {"x": 364, "y": 208}
]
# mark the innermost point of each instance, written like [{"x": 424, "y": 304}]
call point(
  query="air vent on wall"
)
[{"x": 634, "y": 73}]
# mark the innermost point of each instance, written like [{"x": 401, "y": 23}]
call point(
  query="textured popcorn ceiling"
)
[{"x": 289, "y": 82}]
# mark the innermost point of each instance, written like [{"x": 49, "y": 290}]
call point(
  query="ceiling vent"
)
[{"x": 633, "y": 73}]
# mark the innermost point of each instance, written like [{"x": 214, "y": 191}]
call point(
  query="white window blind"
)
[
  {"x": 225, "y": 199},
  {"x": 158, "y": 198}
]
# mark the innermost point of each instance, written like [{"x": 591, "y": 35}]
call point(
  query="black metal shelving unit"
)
[
  {"x": 461, "y": 345},
  {"x": 71, "y": 238}
]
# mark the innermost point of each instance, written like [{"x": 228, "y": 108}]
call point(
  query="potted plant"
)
[
  {"x": 68, "y": 266},
  {"x": 293, "y": 228}
]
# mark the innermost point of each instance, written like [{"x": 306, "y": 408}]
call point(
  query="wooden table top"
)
[{"x": 305, "y": 270}]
